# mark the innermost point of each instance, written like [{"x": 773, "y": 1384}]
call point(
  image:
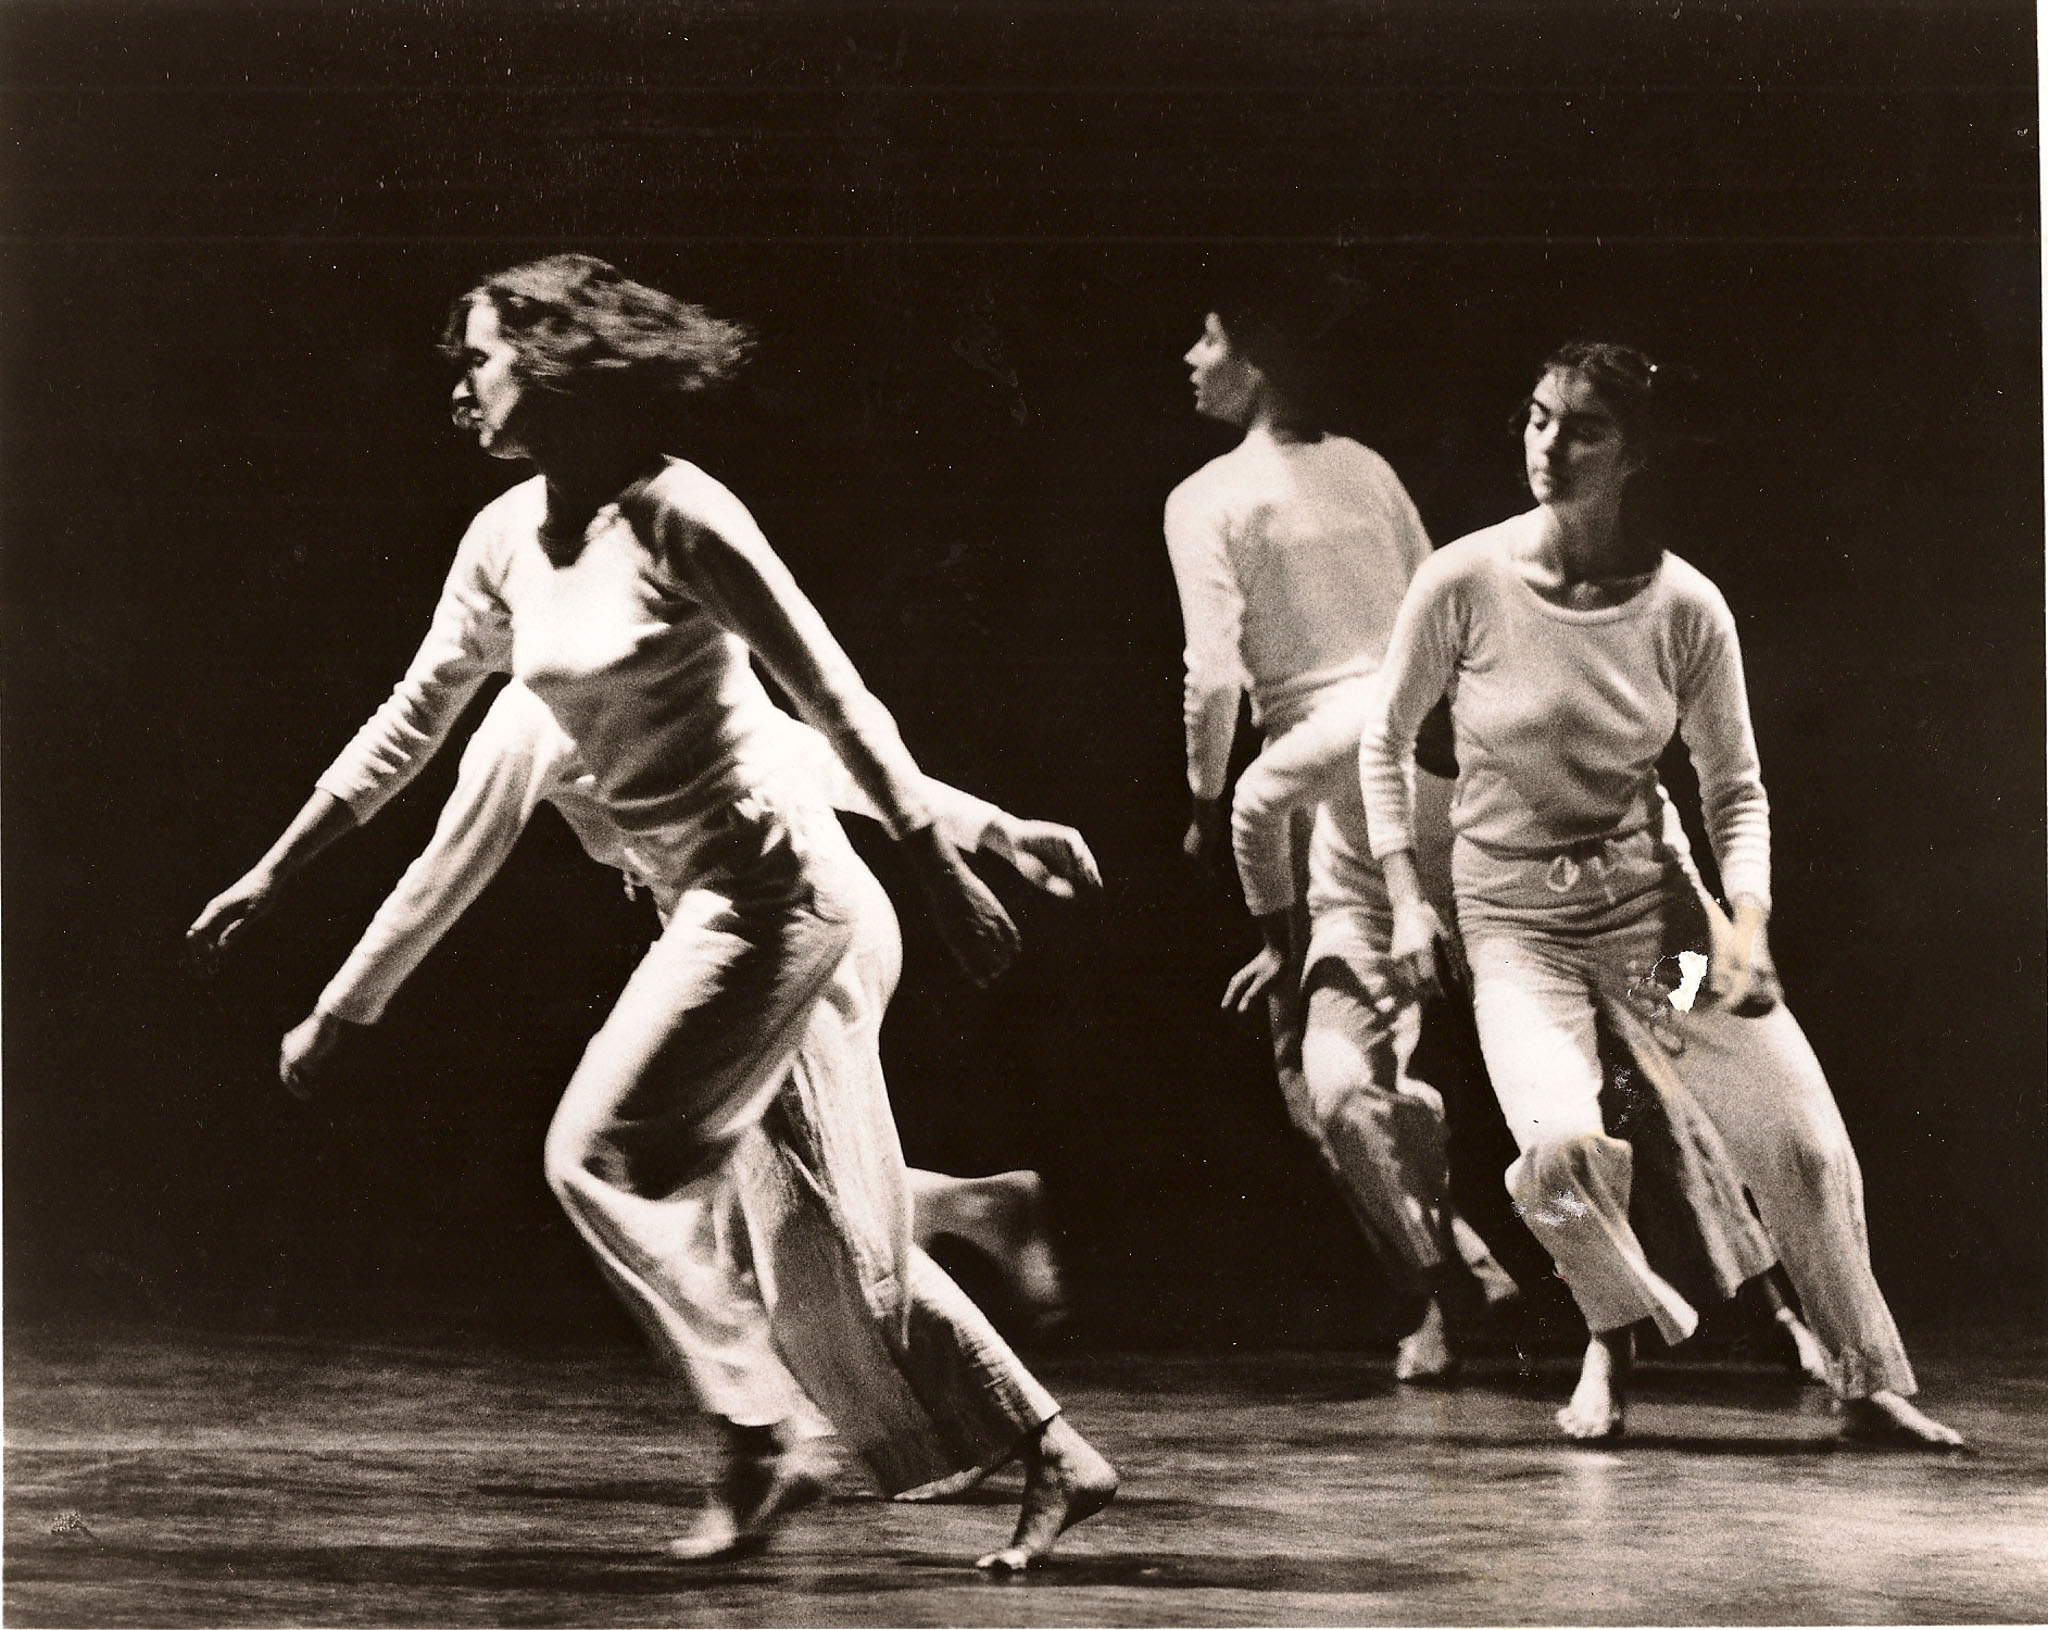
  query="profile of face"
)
[
  {"x": 1227, "y": 384},
  {"x": 1574, "y": 449},
  {"x": 488, "y": 396}
]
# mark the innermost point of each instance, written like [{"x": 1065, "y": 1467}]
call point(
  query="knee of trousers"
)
[
  {"x": 581, "y": 1160},
  {"x": 1817, "y": 1164},
  {"x": 568, "y": 1156},
  {"x": 1341, "y": 1079},
  {"x": 1254, "y": 803},
  {"x": 1560, "y": 1184},
  {"x": 1407, "y": 1120}
]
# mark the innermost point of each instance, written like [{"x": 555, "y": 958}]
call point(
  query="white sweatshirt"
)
[
  {"x": 1560, "y": 715},
  {"x": 639, "y": 646},
  {"x": 1290, "y": 559}
]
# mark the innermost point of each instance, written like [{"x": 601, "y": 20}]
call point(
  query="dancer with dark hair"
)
[
  {"x": 628, "y": 590},
  {"x": 1574, "y": 645},
  {"x": 1291, "y": 553},
  {"x": 519, "y": 758}
]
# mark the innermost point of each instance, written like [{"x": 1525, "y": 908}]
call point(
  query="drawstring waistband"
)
[{"x": 1563, "y": 875}]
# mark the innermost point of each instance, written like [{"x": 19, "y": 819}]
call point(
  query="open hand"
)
[
  {"x": 1740, "y": 974},
  {"x": 227, "y": 914},
  {"x": 1051, "y": 857},
  {"x": 970, "y": 919},
  {"x": 1253, "y": 981}
]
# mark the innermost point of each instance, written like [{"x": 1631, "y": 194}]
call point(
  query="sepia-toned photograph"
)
[{"x": 1023, "y": 812}]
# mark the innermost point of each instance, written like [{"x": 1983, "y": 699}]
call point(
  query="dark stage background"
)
[{"x": 976, "y": 240}]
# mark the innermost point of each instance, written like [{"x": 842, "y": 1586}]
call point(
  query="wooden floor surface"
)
[{"x": 238, "y": 1481}]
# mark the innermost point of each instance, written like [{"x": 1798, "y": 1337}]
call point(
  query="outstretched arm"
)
[
  {"x": 506, "y": 770},
  {"x": 214, "y": 933},
  {"x": 465, "y": 641}
]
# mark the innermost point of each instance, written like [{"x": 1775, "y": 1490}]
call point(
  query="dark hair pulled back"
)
[
  {"x": 1657, "y": 404},
  {"x": 1293, "y": 329}
]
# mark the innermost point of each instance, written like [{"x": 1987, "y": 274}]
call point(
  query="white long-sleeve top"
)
[
  {"x": 638, "y": 644},
  {"x": 1560, "y": 715},
  {"x": 1290, "y": 559},
  {"x": 519, "y": 758}
]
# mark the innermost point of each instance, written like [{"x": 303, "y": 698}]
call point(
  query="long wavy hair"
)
[{"x": 586, "y": 334}]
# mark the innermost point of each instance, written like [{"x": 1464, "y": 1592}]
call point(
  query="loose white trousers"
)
[
  {"x": 726, "y": 1149},
  {"x": 1555, "y": 940}
]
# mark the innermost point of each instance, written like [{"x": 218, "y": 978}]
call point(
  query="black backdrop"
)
[{"x": 976, "y": 240}]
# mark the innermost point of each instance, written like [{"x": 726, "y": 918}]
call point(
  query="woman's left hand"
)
[
  {"x": 971, "y": 920},
  {"x": 1734, "y": 948}
]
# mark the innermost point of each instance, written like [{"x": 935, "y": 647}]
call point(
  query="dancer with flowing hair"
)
[
  {"x": 519, "y": 758},
  {"x": 629, "y": 591}
]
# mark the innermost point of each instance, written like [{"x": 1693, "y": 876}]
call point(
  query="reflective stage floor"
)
[{"x": 239, "y": 1481}]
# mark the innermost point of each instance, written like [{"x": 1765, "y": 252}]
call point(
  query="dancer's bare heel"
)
[
  {"x": 1019, "y": 1243},
  {"x": 1496, "y": 1285},
  {"x": 1003, "y": 1218},
  {"x": 1424, "y": 1355},
  {"x": 1597, "y": 1412},
  {"x": 1065, "y": 1482},
  {"x": 1887, "y": 1420}
]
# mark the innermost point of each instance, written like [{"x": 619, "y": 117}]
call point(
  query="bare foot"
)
[
  {"x": 1424, "y": 1354},
  {"x": 951, "y": 1488},
  {"x": 1496, "y": 1284},
  {"x": 1888, "y": 1420},
  {"x": 1003, "y": 1217},
  {"x": 764, "y": 1482},
  {"x": 1598, "y": 1407},
  {"x": 1065, "y": 1482},
  {"x": 1813, "y": 1357}
]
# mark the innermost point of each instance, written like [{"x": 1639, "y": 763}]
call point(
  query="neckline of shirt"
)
[{"x": 1635, "y": 605}]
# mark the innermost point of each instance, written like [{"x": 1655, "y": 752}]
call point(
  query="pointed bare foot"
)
[
  {"x": 1424, "y": 1354},
  {"x": 1496, "y": 1284},
  {"x": 1888, "y": 1420},
  {"x": 1597, "y": 1412},
  {"x": 1065, "y": 1482},
  {"x": 1812, "y": 1356},
  {"x": 764, "y": 1482}
]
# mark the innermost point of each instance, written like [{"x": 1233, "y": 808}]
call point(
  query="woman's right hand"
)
[
  {"x": 305, "y": 1048},
  {"x": 1208, "y": 833},
  {"x": 970, "y": 919},
  {"x": 1423, "y": 955},
  {"x": 220, "y": 925},
  {"x": 323, "y": 819}
]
